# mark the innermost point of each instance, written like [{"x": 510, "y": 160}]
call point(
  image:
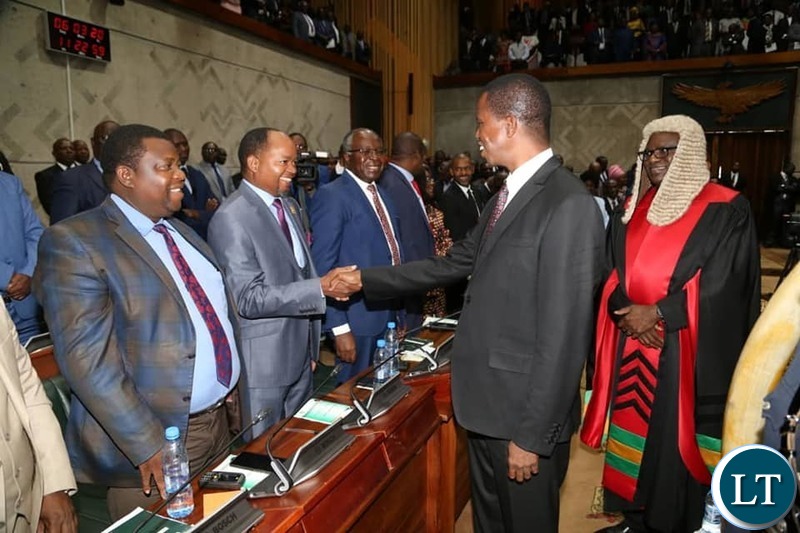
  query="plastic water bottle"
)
[
  {"x": 712, "y": 522},
  {"x": 382, "y": 373},
  {"x": 176, "y": 473},
  {"x": 392, "y": 346}
]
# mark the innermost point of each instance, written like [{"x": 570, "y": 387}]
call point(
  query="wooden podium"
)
[{"x": 405, "y": 471}]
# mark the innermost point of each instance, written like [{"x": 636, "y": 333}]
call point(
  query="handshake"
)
[{"x": 341, "y": 282}]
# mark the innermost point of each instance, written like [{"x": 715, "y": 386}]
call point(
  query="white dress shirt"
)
[
  {"x": 517, "y": 179},
  {"x": 269, "y": 200}
]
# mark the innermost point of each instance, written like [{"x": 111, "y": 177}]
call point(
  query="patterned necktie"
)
[
  {"x": 219, "y": 181},
  {"x": 282, "y": 221},
  {"x": 502, "y": 196},
  {"x": 222, "y": 350},
  {"x": 384, "y": 220}
]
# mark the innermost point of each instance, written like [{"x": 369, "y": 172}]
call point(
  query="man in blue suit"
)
[
  {"x": 416, "y": 239},
  {"x": 353, "y": 224},
  {"x": 81, "y": 188},
  {"x": 21, "y": 230},
  {"x": 199, "y": 204}
]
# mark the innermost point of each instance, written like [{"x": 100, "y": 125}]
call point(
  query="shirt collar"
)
[
  {"x": 406, "y": 174},
  {"x": 264, "y": 195},
  {"x": 526, "y": 170},
  {"x": 98, "y": 165},
  {"x": 361, "y": 183},
  {"x": 62, "y": 167},
  {"x": 139, "y": 221},
  {"x": 464, "y": 189}
]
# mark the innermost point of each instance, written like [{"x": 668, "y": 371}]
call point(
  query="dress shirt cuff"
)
[{"x": 341, "y": 330}]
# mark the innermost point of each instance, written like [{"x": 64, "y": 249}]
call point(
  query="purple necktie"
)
[
  {"x": 282, "y": 221},
  {"x": 502, "y": 196},
  {"x": 222, "y": 350}
]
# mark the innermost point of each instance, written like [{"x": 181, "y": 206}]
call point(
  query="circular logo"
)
[{"x": 754, "y": 486}]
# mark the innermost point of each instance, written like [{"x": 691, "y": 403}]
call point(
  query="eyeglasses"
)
[
  {"x": 661, "y": 152},
  {"x": 368, "y": 152}
]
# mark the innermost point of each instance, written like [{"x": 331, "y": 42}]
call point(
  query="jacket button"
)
[
  {"x": 467, "y": 299},
  {"x": 190, "y": 356},
  {"x": 187, "y": 398}
]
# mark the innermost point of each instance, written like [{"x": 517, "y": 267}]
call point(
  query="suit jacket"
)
[
  {"x": 197, "y": 199},
  {"x": 76, "y": 190},
  {"x": 213, "y": 183},
  {"x": 36, "y": 447},
  {"x": 280, "y": 309},
  {"x": 459, "y": 213},
  {"x": 346, "y": 232},
  {"x": 45, "y": 183},
  {"x": 21, "y": 230},
  {"x": 300, "y": 27},
  {"x": 526, "y": 326},
  {"x": 123, "y": 340},
  {"x": 741, "y": 183}
]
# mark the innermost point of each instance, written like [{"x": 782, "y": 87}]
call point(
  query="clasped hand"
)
[
  {"x": 641, "y": 322},
  {"x": 341, "y": 282}
]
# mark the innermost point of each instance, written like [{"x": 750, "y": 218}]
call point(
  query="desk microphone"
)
[
  {"x": 364, "y": 409},
  {"x": 225, "y": 449},
  {"x": 277, "y": 465}
]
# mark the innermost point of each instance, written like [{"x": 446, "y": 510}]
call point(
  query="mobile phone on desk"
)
[
  {"x": 252, "y": 461},
  {"x": 222, "y": 480}
]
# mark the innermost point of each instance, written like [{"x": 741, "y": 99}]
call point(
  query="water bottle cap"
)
[
  {"x": 172, "y": 433},
  {"x": 381, "y": 343},
  {"x": 391, "y": 325}
]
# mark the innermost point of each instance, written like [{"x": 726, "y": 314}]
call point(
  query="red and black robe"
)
[{"x": 666, "y": 406}]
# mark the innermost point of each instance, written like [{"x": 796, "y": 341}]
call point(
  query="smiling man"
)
[
  {"x": 682, "y": 295},
  {"x": 533, "y": 262},
  {"x": 262, "y": 247},
  {"x": 141, "y": 324}
]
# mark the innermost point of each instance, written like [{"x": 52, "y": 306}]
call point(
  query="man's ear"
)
[
  {"x": 511, "y": 125},
  {"x": 252, "y": 163},
  {"x": 124, "y": 176}
]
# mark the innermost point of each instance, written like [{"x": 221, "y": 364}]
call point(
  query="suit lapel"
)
[
  {"x": 128, "y": 234},
  {"x": 294, "y": 218},
  {"x": 527, "y": 193},
  {"x": 270, "y": 222}
]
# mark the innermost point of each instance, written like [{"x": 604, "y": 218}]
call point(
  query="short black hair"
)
[
  {"x": 406, "y": 144},
  {"x": 125, "y": 147},
  {"x": 251, "y": 143},
  {"x": 523, "y": 97}
]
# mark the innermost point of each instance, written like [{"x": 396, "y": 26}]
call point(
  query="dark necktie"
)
[
  {"x": 387, "y": 229},
  {"x": 219, "y": 181},
  {"x": 473, "y": 201},
  {"x": 502, "y": 196},
  {"x": 222, "y": 350},
  {"x": 282, "y": 221}
]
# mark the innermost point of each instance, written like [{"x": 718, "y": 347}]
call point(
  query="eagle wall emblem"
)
[{"x": 729, "y": 102}]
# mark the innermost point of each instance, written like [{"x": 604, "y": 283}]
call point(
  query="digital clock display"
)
[{"x": 76, "y": 37}]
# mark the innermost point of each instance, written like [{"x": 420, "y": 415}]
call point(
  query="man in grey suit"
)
[
  {"x": 534, "y": 261},
  {"x": 263, "y": 250},
  {"x": 217, "y": 176}
]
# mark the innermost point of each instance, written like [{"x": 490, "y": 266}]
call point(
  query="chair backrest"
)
[{"x": 55, "y": 386}]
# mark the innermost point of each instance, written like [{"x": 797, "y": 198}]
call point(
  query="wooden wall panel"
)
[{"x": 418, "y": 37}]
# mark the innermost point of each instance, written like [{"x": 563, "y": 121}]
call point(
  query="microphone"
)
[
  {"x": 366, "y": 416},
  {"x": 225, "y": 449},
  {"x": 285, "y": 479}
]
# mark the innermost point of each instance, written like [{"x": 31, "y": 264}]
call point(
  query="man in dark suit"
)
[
  {"x": 303, "y": 26},
  {"x": 734, "y": 179},
  {"x": 64, "y": 154},
  {"x": 353, "y": 224},
  {"x": 399, "y": 181},
  {"x": 534, "y": 261},
  {"x": 141, "y": 323},
  {"x": 81, "y": 188},
  {"x": 198, "y": 204}
]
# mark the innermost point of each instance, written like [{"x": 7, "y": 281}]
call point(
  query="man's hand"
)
[
  {"x": 191, "y": 213},
  {"x": 637, "y": 319},
  {"x": 653, "y": 338},
  {"x": 346, "y": 347},
  {"x": 58, "y": 514},
  {"x": 19, "y": 287},
  {"x": 153, "y": 467},
  {"x": 333, "y": 286},
  {"x": 212, "y": 204},
  {"x": 522, "y": 464}
]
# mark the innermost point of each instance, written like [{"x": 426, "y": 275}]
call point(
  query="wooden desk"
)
[{"x": 405, "y": 471}]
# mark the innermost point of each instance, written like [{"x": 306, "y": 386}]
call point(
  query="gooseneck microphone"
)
[
  {"x": 363, "y": 410},
  {"x": 225, "y": 449},
  {"x": 277, "y": 465}
]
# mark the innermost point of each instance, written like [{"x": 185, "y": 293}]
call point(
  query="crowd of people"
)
[
  {"x": 318, "y": 26},
  {"x": 179, "y": 295},
  {"x": 605, "y": 31}
]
